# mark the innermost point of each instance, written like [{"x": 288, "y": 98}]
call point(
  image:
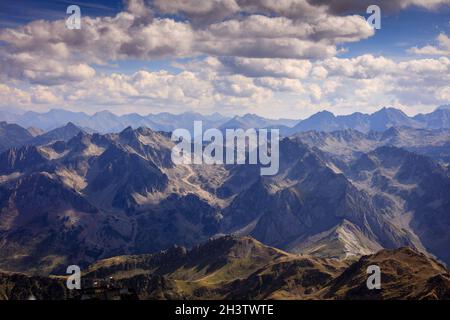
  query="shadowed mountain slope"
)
[
  {"x": 243, "y": 268},
  {"x": 13, "y": 135}
]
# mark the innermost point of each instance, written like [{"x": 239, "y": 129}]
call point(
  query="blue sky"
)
[
  {"x": 23, "y": 11},
  {"x": 403, "y": 30},
  {"x": 136, "y": 56}
]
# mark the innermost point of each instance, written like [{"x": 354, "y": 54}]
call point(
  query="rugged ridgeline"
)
[
  {"x": 242, "y": 268},
  {"x": 379, "y": 121},
  {"x": 13, "y": 135},
  {"x": 106, "y": 122},
  {"x": 96, "y": 196},
  {"x": 349, "y": 144}
]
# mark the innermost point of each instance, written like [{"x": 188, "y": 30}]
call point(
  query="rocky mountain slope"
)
[
  {"x": 96, "y": 196},
  {"x": 12, "y": 135},
  {"x": 412, "y": 190},
  {"x": 64, "y": 133},
  {"x": 349, "y": 144},
  {"x": 242, "y": 268},
  {"x": 405, "y": 274}
]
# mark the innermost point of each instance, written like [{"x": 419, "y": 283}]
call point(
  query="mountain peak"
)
[
  {"x": 103, "y": 113},
  {"x": 127, "y": 129},
  {"x": 325, "y": 113},
  {"x": 250, "y": 116},
  {"x": 390, "y": 110},
  {"x": 64, "y": 133},
  {"x": 128, "y": 134},
  {"x": 71, "y": 125},
  {"x": 424, "y": 277}
]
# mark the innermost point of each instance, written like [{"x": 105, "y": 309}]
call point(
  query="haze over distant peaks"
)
[{"x": 106, "y": 122}]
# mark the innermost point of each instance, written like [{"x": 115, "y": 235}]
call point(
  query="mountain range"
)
[
  {"x": 348, "y": 144},
  {"x": 107, "y": 122},
  {"x": 77, "y": 200},
  {"x": 115, "y": 204}
]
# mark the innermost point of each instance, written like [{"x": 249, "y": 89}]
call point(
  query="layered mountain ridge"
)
[
  {"x": 108, "y": 122},
  {"x": 96, "y": 196}
]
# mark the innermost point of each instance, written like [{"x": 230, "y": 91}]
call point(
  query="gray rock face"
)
[
  {"x": 22, "y": 159},
  {"x": 413, "y": 192}
]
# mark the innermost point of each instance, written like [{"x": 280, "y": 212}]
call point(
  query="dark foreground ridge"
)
[{"x": 241, "y": 268}]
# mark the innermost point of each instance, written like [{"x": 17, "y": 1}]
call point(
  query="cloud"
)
[
  {"x": 338, "y": 84},
  {"x": 259, "y": 36},
  {"x": 276, "y": 68},
  {"x": 389, "y": 6},
  {"x": 444, "y": 93},
  {"x": 361, "y": 67},
  {"x": 42, "y": 95},
  {"x": 142, "y": 87},
  {"x": 206, "y": 12},
  {"x": 37, "y": 69},
  {"x": 10, "y": 96},
  {"x": 164, "y": 90},
  {"x": 199, "y": 11},
  {"x": 373, "y": 81},
  {"x": 239, "y": 86},
  {"x": 142, "y": 13},
  {"x": 162, "y": 38},
  {"x": 280, "y": 85},
  {"x": 46, "y": 52},
  {"x": 242, "y": 56},
  {"x": 443, "y": 47}
]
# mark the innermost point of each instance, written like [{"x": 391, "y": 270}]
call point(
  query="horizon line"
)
[{"x": 24, "y": 111}]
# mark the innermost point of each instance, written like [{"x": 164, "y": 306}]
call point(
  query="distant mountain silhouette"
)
[
  {"x": 107, "y": 122},
  {"x": 378, "y": 121},
  {"x": 249, "y": 121}
]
